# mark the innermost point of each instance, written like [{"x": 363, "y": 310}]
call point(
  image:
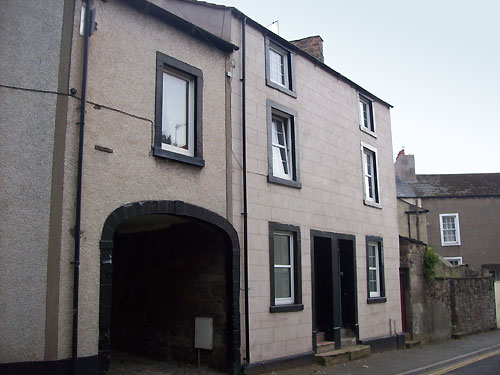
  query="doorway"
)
[
  {"x": 334, "y": 291},
  {"x": 347, "y": 265}
]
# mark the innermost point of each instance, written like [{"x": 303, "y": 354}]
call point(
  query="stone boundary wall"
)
[{"x": 458, "y": 301}]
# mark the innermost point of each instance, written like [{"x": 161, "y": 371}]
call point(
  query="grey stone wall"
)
[
  {"x": 473, "y": 306},
  {"x": 162, "y": 280},
  {"x": 457, "y": 301}
]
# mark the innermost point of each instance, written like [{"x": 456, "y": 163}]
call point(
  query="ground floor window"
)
[
  {"x": 455, "y": 261},
  {"x": 375, "y": 270},
  {"x": 284, "y": 256}
]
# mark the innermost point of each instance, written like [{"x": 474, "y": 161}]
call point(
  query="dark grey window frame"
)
[
  {"x": 286, "y": 112},
  {"x": 382, "y": 297},
  {"x": 295, "y": 231},
  {"x": 290, "y": 90},
  {"x": 162, "y": 62}
]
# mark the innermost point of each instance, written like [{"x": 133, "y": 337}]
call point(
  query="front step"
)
[
  {"x": 348, "y": 341},
  {"x": 342, "y": 355},
  {"x": 410, "y": 344},
  {"x": 325, "y": 346}
]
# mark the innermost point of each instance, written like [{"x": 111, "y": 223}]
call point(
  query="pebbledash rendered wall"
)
[
  {"x": 331, "y": 197},
  {"x": 36, "y": 304},
  {"x": 31, "y": 130},
  {"x": 122, "y": 71}
]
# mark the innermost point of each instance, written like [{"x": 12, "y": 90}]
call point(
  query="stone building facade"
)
[
  {"x": 458, "y": 214},
  {"x": 263, "y": 128}
]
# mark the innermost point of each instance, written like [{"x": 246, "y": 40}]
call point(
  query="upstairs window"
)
[
  {"x": 366, "y": 118},
  {"x": 450, "y": 229},
  {"x": 281, "y": 142},
  {"x": 280, "y": 68},
  {"x": 178, "y": 111},
  {"x": 177, "y": 133},
  {"x": 283, "y": 161},
  {"x": 370, "y": 175}
]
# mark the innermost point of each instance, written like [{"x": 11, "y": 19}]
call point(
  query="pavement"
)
[{"x": 424, "y": 359}]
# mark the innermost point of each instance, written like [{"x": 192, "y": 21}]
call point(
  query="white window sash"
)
[
  {"x": 278, "y": 66},
  {"x": 376, "y": 268},
  {"x": 284, "y": 149},
  {"x": 369, "y": 176},
  {"x": 291, "y": 299},
  {"x": 456, "y": 261},
  {"x": 190, "y": 97},
  {"x": 366, "y": 106},
  {"x": 450, "y": 229}
]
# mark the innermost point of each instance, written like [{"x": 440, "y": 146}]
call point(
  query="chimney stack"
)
[
  {"x": 405, "y": 167},
  {"x": 313, "y": 45}
]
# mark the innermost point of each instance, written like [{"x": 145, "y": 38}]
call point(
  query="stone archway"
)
[{"x": 179, "y": 209}]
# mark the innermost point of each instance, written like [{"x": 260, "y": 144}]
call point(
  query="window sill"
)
[
  {"x": 450, "y": 244},
  {"x": 281, "y": 88},
  {"x": 372, "y": 204},
  {"x": 286, "y": 308},
  {"x": 193, "y": 160},
  {"x": 284, "y": 181},
  {"x": 367, "y": 131},
  {"x": 376, "y": 300}
]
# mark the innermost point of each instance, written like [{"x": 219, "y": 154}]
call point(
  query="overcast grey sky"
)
[{"x": 437, "y": 62}]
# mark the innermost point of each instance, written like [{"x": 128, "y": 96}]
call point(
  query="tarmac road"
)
[{"x": 487, "y": 364}]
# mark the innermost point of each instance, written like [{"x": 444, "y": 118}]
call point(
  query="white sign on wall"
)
[{"x": 203, "y": 333}]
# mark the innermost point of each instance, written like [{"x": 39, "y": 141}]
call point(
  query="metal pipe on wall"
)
[
  {"x": 76, "y": 261},
  {"x": 245, "y": 203}
]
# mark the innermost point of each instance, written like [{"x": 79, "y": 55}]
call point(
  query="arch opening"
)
[{"x": 160, "y": 269}]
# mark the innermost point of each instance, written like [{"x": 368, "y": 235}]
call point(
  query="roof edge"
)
[
  {"x": 311, "y": 58},
  {"x": 195, "y": 31}
]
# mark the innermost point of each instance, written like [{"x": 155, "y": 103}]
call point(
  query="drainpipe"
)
[
  {"x": 409, "y": 224},
  {"x": 245, "y": 203},
  {"x": 76, "y": 262}
]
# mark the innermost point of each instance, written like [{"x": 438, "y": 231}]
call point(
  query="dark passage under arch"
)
[{"x": 134, "y": 214}]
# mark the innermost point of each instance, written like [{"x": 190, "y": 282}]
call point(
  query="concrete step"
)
[
  {"x": 342, "y": 355},
  {"x": 325, "y": 346},
  {"x": 346, "y": 332},
  {"x": 320, "y": 336},
  {"x": 412, "y": 344},
  {"x": 348, "y": 341}
]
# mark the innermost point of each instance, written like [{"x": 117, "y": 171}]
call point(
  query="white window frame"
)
[
  {"x": 189, "y": 116},
  {"x": 282, "y": 65},
  {"x": 457, "y": 230},
  {"x": 370, "y": 175},
  {"x": 370, "y": 127},
  {"x": 453, "y": 259},
  {"x": 291, "y": 299},
  {"x": 377, "y": 292},
  {"x": 286, "y": 146}
]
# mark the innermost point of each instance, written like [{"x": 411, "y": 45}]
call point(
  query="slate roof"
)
[{"x": 450, "y": 185}]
